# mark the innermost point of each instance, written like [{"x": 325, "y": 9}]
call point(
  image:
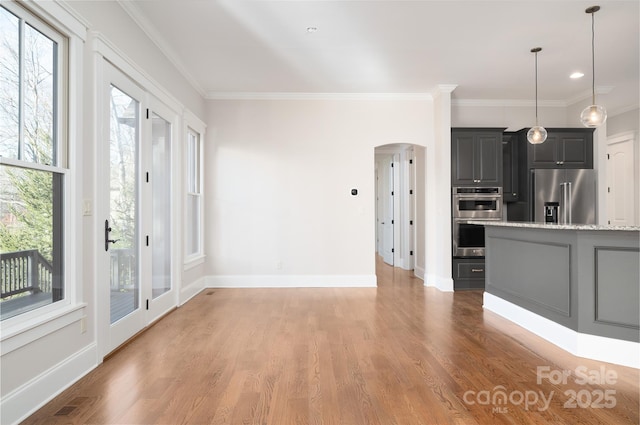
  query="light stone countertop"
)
[{"x": 530, "y": 225}]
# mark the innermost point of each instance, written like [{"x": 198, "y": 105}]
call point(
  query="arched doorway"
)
[{"x": 397, "y": 195}]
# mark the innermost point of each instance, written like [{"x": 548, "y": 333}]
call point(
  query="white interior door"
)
[
  {"x": 411, "y": 216},
  {"x": 135, "y": 262},
  {"x": 621, "y": 189},
  {"x": 387, "y": 208}
]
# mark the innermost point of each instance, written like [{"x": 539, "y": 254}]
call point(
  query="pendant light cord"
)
[
  {"x": 536, "y": 89},
  {"x": 593, "y": 59}
]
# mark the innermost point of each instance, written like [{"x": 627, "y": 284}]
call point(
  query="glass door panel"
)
[
  {"x": 161, "y": 206},
  {"x": 124, "y": 135}
]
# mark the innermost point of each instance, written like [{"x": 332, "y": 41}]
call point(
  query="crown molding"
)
[
  {"x": 587, "y": 94},
  {"x": 443, "y": 88},
  {"x": 619, "y": 111},
  {"x": 157, "y": 39},
  {"x": 315, "y": 96}
]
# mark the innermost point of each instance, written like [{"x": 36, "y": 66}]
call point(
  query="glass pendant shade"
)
[
  {"x": 593, "y": 116},
  {"x": 537, "y": 135}
]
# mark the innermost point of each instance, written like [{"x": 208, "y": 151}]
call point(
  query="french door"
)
[{"x": 135, "y": 270}]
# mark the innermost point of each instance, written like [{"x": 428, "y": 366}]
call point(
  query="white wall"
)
[
  {"x": 279, "y": 175},
  {"x": 512, "y": 115},
  {"x": 624, "y": 122}
]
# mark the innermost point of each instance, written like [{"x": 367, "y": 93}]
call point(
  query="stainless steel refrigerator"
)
[{"x": 573, "y": 190}]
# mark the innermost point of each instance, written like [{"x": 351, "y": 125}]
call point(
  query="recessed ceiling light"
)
[
  {"x": 312, "y": 29},
  {"x": 576, "y": 75}
]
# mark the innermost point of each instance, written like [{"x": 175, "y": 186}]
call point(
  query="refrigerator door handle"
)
[
  {"x": 570, "y": 199},
  {"x": 563, "y": 207}
]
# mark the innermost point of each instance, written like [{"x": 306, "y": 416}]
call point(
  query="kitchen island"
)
[{"x": 577, "y": 286}]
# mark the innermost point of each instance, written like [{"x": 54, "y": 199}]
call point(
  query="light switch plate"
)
[{"x": 86, "y": 207}]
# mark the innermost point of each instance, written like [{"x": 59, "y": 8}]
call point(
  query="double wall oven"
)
[{"x": 473, "y": 203}]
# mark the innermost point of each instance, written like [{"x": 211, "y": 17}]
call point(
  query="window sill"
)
[{"x": 15, "y": 336}]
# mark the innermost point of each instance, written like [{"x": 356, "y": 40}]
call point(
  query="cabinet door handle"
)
[{"x": 477, "y": 270}]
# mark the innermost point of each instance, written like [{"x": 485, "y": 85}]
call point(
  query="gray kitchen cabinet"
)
[
  {"x": 476, "y": 156},
  {"x": 564, "y": 148},
  {"x": 468, "y": 273}
]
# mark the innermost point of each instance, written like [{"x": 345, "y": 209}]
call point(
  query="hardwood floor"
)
[{"x": 397, "y": 354}]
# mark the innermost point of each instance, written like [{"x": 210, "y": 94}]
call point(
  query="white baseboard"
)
[
  {"x": 625, "y": 353},
  {"x": 419, "y": 272},
  {"x": 25, "y": 400},
  {"x": 190, "y": 291},
  {"x": 292, "y": 281},
  {"x": 444, "y": 284}
]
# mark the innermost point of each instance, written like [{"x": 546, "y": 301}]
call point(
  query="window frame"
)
[
  {"x": 193, "y": 126},
  {"x": 61, "y": 89},
  {"x": 55, "y": 22}
]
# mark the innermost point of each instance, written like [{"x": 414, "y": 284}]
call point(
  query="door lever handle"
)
[{"x": 107, "y": 241}]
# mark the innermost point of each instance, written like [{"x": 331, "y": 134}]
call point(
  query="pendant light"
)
[
  {"x": 593, "y": 115},
  {"x": 537, "y": 134}
]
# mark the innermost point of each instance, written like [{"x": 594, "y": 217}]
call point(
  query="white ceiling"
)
[{"x": 235, "y": 47}]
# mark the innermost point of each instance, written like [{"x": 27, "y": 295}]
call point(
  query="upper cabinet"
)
[
  {"x": 564, "y": 148},
  {"x": 476, "y": 156}
]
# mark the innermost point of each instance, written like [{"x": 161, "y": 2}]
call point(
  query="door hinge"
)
[
  {"x": 392, "y": 193},
  {"x": 608, "y": 221},
  {"x": 393, "y": 222},
  {"x": 147, "y": 177},
  {"x": 147, "y": 240},
  {"x": 411, "y": 161},
  {"x": 410, "y": 222},
  {"x": 147, "y": 304},
  {"x": 609, "y": 190},
  {"x": 410, "y": 191},
  {"x": 393, "y": 250},
  {"x": 392, "y": 165},
  {"x": 410, "y": 252},
  {"x": 147, "y": 113},
  {"x": 608, "y": 156}
]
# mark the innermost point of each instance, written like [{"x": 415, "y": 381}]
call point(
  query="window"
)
[
  {"x": 194, "y": 196},
  {"x": 32, "y": 163}
]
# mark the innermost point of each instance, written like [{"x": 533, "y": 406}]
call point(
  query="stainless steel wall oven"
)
[{"x": 473, "y": 203}]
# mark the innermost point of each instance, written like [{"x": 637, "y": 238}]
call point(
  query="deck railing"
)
[
  {"x": 28, "y": 271},
  {"x": 123, "y": 269},
  {"x": 24, "y": 271}
]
